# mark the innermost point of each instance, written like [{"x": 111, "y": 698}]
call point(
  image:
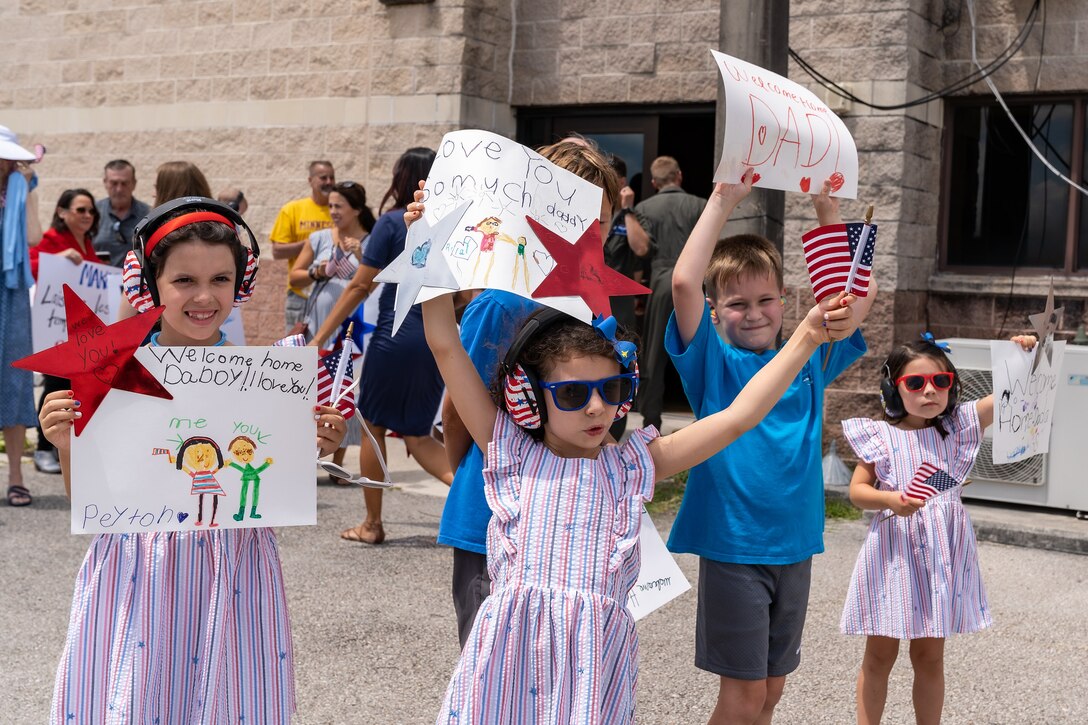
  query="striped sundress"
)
[
  {"x": 178, "y": 627},
  {"x": 918, "y": 575},
  {"x": 204, "y": 482},
  {"x": 554, "y": 642}
]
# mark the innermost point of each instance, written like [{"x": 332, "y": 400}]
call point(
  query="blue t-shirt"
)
[
  {"x": 488, "y": 326},
  {"x": 385, "y": 243},
  {"x": 761, "y": 499}
]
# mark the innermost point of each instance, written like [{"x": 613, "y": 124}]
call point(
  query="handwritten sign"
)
[
  {"x": 89, "y": 280},
  {"x": 660, "y": 579},
  {"x": 781, "y": 129},
  {"x": 494, "y": 246},
  {"x": 234, "y": 448},
  {"x": 1023, "y": 400}
]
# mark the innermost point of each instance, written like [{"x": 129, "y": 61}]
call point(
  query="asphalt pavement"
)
[{"x": 376, "y": 640}]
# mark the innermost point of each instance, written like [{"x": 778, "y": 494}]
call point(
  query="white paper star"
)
[
  {"x": 422, "y": 262},
  {"x": 1045, "y": 323}
]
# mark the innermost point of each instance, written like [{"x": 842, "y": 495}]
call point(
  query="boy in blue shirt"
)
[{"x": 754, "y": 512}]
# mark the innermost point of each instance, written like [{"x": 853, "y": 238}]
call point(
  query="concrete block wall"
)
[{"x": 250, "y": 91}]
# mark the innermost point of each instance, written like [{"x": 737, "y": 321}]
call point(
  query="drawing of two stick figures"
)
[{"x": 201, "y": 458}]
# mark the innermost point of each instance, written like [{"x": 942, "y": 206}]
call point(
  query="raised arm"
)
[
  {"x": 687, "y": 277},
  {"x": 697, "y": 442},
  {"x": 463, "y": 385}
]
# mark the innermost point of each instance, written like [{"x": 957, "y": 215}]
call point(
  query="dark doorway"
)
[{"x": 638, "y": 134}]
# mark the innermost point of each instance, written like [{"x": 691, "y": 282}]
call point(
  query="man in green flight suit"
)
[{"x": 243, "y": 449}]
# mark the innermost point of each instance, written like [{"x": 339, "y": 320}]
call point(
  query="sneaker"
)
[{"x": 46, "y": 462}]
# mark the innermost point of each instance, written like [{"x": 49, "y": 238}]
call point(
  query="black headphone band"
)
[
  {"x": 163, "y": 213},
  {"x": 534, "y": 325}
]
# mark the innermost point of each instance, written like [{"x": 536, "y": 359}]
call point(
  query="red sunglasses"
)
[{"x": 917, "y": 382}]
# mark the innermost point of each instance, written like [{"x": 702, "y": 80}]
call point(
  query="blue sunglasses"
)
[{"x": 571, "y": 395}]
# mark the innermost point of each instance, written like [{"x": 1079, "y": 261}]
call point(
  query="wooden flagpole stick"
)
[{"x": 854, "y": 264}]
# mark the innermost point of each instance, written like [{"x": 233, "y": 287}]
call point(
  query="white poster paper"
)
[
  {"x": 494, "y": 246},
  {"x": 660, "y": 579},
  {"x": 782, "y": 130},
  {"x": 1023, "y": 400},
  {"x": 89, "y": 280},
  {"x": 234, "y": 448}
]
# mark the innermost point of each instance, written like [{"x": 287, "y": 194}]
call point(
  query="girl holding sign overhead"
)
[
  {"x": 70, "y": 235},
  {"x": 184, "y": 626},
  {"x": 554, "y": 638},
  {"x": 917, "y": 576}
]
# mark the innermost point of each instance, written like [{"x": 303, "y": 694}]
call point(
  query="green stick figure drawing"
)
[{"x": 243, "y": 449}]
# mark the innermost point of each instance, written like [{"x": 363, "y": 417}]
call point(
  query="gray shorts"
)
[
  {"x": 294, "y": 309},
  {"x": 471, "y": 585},
  {"x": 750, "y": 618}
]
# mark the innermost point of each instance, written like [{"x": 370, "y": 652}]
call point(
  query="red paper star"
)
[
  {"x": 580, "y": 270},
  {"x": 98, "y": 357}
]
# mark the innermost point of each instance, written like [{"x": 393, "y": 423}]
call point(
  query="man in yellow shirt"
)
[{"x": 295, "y": 223}]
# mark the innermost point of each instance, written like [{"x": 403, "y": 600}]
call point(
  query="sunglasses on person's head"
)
[
  {"x": 914, "y": 383},
  {"x": 575, "y": 394}
]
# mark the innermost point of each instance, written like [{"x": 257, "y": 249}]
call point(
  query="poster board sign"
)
[
  {"x": 89, "y": 280},
  {"x": 149, "y": 464},
  {"x": 660, "y": 579},
  {"x": 504, "y": 182},
  {"x": 783, "y": 131},
  {"x": 1023, "y": 400}
]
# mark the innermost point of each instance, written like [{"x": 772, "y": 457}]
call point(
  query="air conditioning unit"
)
[{"x": 1056, "y": 479}]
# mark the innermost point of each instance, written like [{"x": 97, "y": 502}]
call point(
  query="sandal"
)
[
  {"x": 20, "y": 496},
  {"x": 364, "y": 533}
]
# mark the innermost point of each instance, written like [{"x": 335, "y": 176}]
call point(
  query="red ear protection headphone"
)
[
  {"x": 138, "y": 282},
  {"x": 522, "y": 394}
]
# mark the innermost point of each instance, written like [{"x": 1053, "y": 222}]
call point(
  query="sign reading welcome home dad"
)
[
  {"x": 782, "y": 130},
  {"x": 234, "y": 448}
]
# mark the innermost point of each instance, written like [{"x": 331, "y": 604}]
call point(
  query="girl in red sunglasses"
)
[{"x": 917, "y": 576}]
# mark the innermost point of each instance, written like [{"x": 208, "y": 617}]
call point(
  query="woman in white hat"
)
[{"x": 20, "y": 229}]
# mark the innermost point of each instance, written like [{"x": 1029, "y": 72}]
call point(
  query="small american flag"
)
[
  {"x": 326, "y": 374},
  {"x": 829, "y": 253},
  {"x": 160, "y": 451},
  {"x": 341, "y": 264},
  {"x": 929, "y": 481}
]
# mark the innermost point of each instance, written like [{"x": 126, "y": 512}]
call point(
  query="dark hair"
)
[
  {"x": 413, "y": 165},
  {"x": 119, "y": 165},
  {"x": 904, "y": 354},
  {"x": 618, "y": 165},
  {"x": 196, "y": 441},
  {"x": 355, "y": 195},
  {"x": 65, "y": 201},
  {"x": 247, "y": 439},
  {"x": 568, "y": 338},
  {"x": 207, "y": 232},
  {"x": 175, "y": 179}
]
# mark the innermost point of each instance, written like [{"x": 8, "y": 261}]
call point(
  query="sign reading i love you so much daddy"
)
[{"x": 782, "y": 130}]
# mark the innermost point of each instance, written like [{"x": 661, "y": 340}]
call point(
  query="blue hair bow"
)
[
  {"x": 942, "y": 346},
  {"x": 626, "y": 352}
]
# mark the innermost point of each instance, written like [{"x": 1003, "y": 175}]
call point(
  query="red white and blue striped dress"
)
[
  {"x": 554, "y": 642},
  {"x": 918, "y": 576},
  {"x": 178, "y": 627}
]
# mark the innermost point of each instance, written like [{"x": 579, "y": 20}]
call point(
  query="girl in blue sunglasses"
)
[{"x": 553, "y": 642}]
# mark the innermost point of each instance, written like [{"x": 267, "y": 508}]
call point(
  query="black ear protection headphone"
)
[
  {"x": 521, "y": 388},
  {"x": 889, "y": 395},
  {"x": 140, "y": 286}
]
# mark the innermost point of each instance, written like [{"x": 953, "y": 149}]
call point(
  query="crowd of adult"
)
[{"x": 334, "y": 247}]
